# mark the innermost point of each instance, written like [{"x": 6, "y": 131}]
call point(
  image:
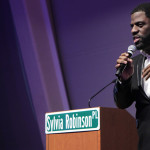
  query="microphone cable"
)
[{"x": 89, "y": 102}]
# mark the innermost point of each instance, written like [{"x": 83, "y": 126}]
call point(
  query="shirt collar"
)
[{"x": 144, "y": 54}]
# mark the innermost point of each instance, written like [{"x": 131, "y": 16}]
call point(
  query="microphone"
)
[
  {"x": 89, "y": 102},
  {"x": 131, "y": 50}
]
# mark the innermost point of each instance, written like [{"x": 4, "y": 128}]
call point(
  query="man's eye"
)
[
  {"x": 131, "y": 25},
  {"x": 140, "y": 24}
]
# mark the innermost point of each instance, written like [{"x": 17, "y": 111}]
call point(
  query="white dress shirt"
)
[{"x": 147, "y": 82}]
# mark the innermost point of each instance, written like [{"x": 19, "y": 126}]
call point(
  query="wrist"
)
[{"x": 124, "y": 81}]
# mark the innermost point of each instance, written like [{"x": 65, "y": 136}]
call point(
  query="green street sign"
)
[{"x": 73, "y": 121}]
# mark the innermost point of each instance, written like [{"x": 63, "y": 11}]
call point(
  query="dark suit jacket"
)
[{"x": 132, "y": 90}]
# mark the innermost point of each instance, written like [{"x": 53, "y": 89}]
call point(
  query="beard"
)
[{"x": 143, "y": 43}]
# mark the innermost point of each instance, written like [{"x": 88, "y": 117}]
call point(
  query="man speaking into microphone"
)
[{"x": 133, "y": 82}]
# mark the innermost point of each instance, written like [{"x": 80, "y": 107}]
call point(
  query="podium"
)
[{"x": 116, "y": 131}]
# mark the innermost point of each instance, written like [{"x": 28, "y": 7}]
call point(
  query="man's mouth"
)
[{"x": 136, "y": 39}]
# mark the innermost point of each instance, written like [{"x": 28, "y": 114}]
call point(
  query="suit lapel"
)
[{"x": 140, "y": 65}]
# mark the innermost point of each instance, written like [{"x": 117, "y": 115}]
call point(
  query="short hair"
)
[{"x": 145, "y": 7}]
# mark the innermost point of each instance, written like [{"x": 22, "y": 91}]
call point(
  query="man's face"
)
[{"x": 140, "y": 29}]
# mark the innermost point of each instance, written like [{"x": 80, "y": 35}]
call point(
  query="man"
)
[{"x": 134, "y": 83}]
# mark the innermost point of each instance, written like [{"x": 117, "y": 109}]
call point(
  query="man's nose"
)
[{"x": 134, "y": 29}]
